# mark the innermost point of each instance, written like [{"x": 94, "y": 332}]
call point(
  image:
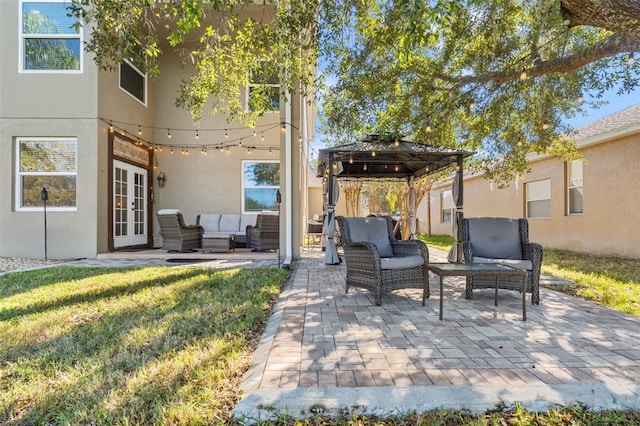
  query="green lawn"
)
[
  {"x": 143, "y": 346},
  {"x": 157, "y": 346}
]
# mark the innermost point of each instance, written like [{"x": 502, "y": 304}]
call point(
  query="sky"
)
[{"x": 616, "y": 103}]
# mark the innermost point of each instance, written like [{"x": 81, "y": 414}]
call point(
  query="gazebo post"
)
[{"x": 456, "y": 255}]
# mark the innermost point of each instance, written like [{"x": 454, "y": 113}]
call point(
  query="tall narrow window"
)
[
  {"x": 133, "y": 81},
  {"x": 263, "y": 92},
  {"x": 539, "y": 199},
  {"x": 574, "y": 187},
  {"x": 447, "y": 206},
  {"x": 261, "y": 180},
  {"x": 49, "y": 39},
  {"x": 49, "y": 163}
]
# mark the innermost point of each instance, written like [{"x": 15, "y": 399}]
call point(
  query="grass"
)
[
  {"x": 441, "y": 242},
  {"x": 156, "y": 346},
  {"x": 128, "y": 346}
]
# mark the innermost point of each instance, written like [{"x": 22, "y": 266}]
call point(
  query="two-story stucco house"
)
[
  {"x": 590, "y": 205},
  {"x": 98, "y": 141}
]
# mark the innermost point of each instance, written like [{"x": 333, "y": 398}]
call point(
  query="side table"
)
[{"x": 478, "y": 269}]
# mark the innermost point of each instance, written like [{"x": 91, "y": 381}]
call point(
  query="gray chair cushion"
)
[
  {"x": 495, "y": 238},
  {"x": 401, "y": 262},
  {"x": 230, "y": 222},
  {"x": 373, "y": 230},
  {"x": 210, "y": 222},
  {"x": 245, "y": 220}
]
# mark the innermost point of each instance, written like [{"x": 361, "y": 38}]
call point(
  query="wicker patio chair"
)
[
  {"x": 176, "y": 236},
  {"x": 265, "y": 235},
  {"x": 505, "y": 241},
  {"x": 378, "y": 262}
]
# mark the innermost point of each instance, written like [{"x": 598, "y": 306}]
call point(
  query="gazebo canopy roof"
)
[{"x": 376, "y": 156}]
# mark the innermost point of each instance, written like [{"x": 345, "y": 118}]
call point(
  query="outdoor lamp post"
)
[
  {"x": 278, "y": 200},
  {"x": 44, "y": 196}
]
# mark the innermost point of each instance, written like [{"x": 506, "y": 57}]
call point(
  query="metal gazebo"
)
[{"x": 379, "y": 157}]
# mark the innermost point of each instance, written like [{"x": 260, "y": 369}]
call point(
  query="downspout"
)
[{"x": 288, "y": 182}]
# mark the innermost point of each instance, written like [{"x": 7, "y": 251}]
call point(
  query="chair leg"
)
[{"x": 468, "y": 290}]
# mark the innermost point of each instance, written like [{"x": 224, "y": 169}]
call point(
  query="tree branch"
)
[
  {"x": 619, "y": 16},
  {"x": 610, "y": 46}
]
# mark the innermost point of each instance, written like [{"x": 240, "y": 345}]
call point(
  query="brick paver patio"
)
[{"x": 322, "y": 344}]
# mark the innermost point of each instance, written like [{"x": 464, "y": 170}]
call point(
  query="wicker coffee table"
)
[
  {"x": 480, "y": 269},
  {"x": 218, "y": 243}
]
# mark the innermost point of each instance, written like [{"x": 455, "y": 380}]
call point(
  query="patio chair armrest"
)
[
  {"x": 410, "y": 248},
  {"x": 533, "y": 252},
  {"x": 467, "y": 251}
]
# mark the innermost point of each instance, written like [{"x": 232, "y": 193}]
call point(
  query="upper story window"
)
[
  {"x": 260, "y": 183},
  {"x": 49, "y": 39},
  {"x": 574, "y": 187},
  {"x": 446, "y": 206},
  {"x": 133, "y": 81},
  {"x": 263, "y": 92},
  {"x": 539, "y": 199},
  {"x": 50, "y": 163}
]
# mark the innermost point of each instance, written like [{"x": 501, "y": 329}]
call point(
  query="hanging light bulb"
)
[
  {"x": 139, "y": 130},
  {"x": 396, "y": 142},
  {"x": 523, "y": 75},
  {"x": 197, "y": 134},
  {"x": 365, "y": 167},
  {"x": 350, "y": 159},
  {"x": 204, "y": 150},
  {"x": 397, "y": 168},
  {"x": 240, "y": 143},
  {"x": 283, "y": 126},
  {"x": 110, "y": 127},
  {"x": 226, "y": 133},
  {"x": 373, "y": 153},
  {"x": 630, "y": 59},
  {"x": 172, "y": 150},
  {"x": 269, "y": 150},
  {"x": 545, "y": 125},
  {"x": 168, "y": 133},
  {"x": 186, "y": 151},
  {"x": 580, "y": 98},
  {"x": 228, "y": 150},
  {"x": 249, "y": 150},
  {"x": 254, "y": 132},
  {"x": 519, "y": 142},
  {"x": 472, "y": 106},
  {"x": 428, "y": 128},
  {"x": 262, "y": 136}
]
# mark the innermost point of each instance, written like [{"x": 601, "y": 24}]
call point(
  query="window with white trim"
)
[
  {"x": 133, "y": 81},
  {"x": 538, "y": 195},
  {"x": 260, "y": 184},
  {"x": 263, "y": 92},
  {"x": 50, "y": 41},
  {"x": 574, "y": 187},
  {"x": 447, "y": 207},
  {"x": 50, "y": 163}
]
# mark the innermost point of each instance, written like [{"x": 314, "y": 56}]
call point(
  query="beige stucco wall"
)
[
  {"x": 46, "y": 104},
  {"x": 610, "y": 224}
]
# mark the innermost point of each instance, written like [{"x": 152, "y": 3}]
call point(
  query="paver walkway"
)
[{"x": 325, "y": 351}]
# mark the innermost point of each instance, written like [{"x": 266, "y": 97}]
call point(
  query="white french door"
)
[{"x": 129, "y": 205}]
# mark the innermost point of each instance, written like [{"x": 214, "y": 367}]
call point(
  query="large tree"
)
[{"x": 499, "y": 76}]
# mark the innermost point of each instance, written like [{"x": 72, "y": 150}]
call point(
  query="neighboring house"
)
[
  {"x": 99, "y": 140},
  {"x": 590, "y": 205}
]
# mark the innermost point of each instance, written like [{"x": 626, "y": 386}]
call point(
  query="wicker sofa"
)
[
  {"x": 176, "y": 235},
  {"x": 378, "y": 262},
  {"x": 265, "y": 234},
  {"x": 505, "y": 241},
  {"x": 227, "y": 224}
]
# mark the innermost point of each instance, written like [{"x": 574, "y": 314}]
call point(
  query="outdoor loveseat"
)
[
  {"x": 233, "y": 225},
  {"x": 378, "y": 262},
  {"x": 176, "y": 235},
  {"x": 505, "y": 241}
]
